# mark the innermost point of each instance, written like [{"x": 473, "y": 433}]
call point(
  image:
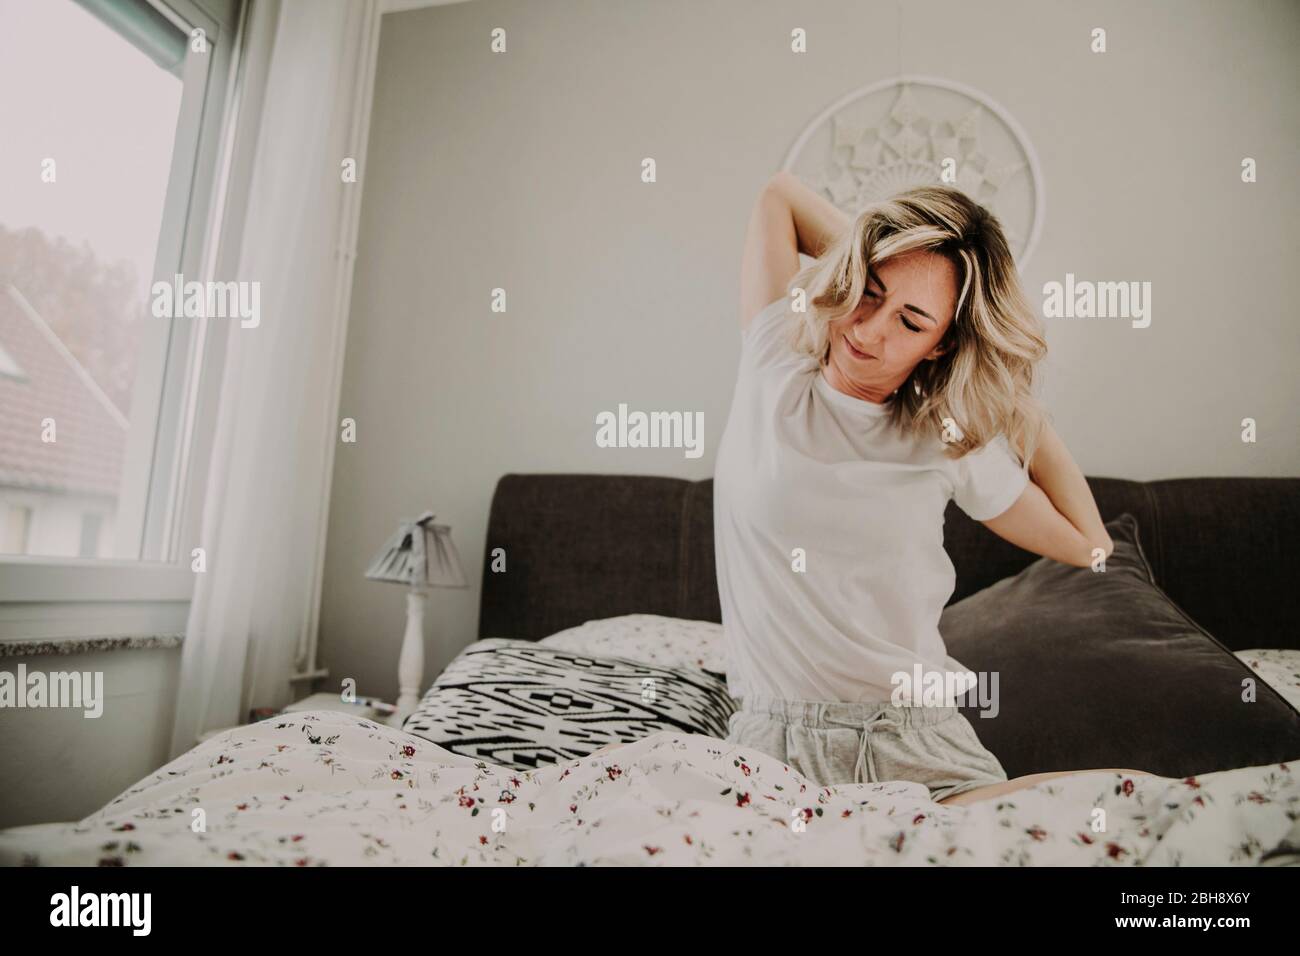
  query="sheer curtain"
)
[{"x": 254, "y": 607}]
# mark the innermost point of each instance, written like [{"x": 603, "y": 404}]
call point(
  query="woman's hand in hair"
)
[
  {"x": 817, "y": 221},
  {"x": 788, "y": 218}
]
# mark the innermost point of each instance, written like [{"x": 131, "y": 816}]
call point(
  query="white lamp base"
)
[{"x": 410, "y": 665}]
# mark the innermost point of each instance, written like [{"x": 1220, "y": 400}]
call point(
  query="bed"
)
[{"x": 584, "y": 551}]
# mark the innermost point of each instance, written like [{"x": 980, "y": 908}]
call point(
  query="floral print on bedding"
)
[
  {"x": 652, "y": 638},
  {"x": 325, "y": 788},
  {"x": 1279, "y": 668}
]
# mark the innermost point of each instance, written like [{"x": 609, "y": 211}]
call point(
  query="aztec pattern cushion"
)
[
  {"x": 651, "y": 638},
  {"x": 521, "y": 704}
]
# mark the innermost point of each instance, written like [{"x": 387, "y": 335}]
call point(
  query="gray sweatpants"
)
[{"x": 834, "y": 742}]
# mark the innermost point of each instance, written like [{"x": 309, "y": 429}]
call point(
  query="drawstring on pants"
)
[{"x": 880, "y": 720}]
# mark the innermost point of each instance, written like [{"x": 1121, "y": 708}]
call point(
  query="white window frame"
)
[
  {"x": 178, "y": 379},
  {"x": 167, "y": 351}
]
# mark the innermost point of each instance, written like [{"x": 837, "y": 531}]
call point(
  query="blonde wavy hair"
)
[{"x": 984, "y": 381}]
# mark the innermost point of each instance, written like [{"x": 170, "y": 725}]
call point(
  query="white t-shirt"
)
[{"x": 803, "y": 466}]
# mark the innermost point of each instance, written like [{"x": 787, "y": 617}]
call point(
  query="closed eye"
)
[{"x": 902, "y": 318}]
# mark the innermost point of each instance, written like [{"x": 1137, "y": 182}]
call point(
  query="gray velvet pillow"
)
[{"x": 1104, "y": 670}]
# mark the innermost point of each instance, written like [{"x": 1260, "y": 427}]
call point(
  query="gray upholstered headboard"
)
[{"x": 581, "y": 547}]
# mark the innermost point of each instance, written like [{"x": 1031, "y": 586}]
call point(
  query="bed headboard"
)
[{"x": 580, "y": 547}]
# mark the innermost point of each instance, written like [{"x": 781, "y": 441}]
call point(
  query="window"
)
[
  {"x": 90, "y": 526},
  {"x": 9, "y": 366},
  {"x": 113, "y": 115},
  {"x": 186, "y": 126},
  {"x": 18, "y": 521}
]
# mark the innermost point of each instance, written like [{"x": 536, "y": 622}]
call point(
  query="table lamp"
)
[{"x": 421, "y": 554}]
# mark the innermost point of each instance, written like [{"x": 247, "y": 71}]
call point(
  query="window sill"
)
[
  {"x": 39, "y": 647},
  {"x": 38, "y": 579}
]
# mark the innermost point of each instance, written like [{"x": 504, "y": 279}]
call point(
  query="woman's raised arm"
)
[{"x": 788, "y": 218}]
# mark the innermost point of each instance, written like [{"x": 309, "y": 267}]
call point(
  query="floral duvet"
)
[{"x": 322, "y": 788}]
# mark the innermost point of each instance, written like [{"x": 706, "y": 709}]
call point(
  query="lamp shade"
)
[{"x": 420, "y": 554}]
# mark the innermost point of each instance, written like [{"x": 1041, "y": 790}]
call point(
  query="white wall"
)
[
  {"x": 58, "y": 764},
  {"x": 522, "y": 171}
]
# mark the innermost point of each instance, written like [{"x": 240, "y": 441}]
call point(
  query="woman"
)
[{"x": 891, "y": 374}]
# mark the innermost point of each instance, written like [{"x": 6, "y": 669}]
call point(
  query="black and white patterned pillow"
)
[{"x": 521, "y": 704}]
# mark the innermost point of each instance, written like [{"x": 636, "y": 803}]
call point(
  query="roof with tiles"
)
[{"x": 40, "y": 379}]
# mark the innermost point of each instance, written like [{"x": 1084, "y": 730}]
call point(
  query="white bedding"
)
[
  {"x": 323, "y": 788},
  {"x": 1277, "y": 667}
]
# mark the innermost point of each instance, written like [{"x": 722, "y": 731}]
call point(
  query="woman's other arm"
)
[
  {"x": 788, "y": 218},
  {"x": 1056, "y": 516},
  {"x": 1054, "y": 470}
]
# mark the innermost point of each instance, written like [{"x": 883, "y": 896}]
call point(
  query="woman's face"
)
[{"x": 909, "y": 303}]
